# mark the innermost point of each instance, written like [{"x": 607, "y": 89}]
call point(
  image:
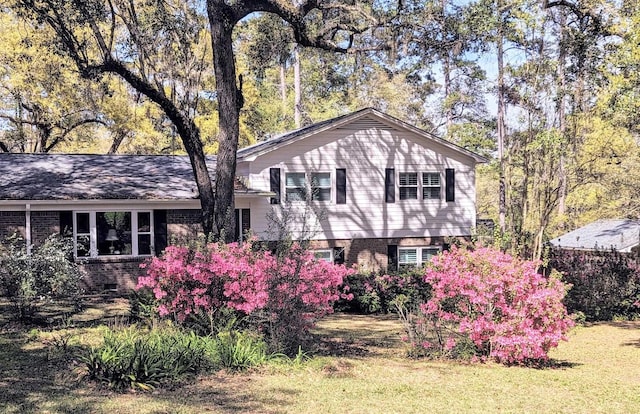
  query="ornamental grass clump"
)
[
  {"x": 145, "y": 359},
  {"x": 495, "y": 303}
]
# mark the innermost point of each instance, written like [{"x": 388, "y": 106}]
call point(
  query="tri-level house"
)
[{"x": 365, "y": 188}]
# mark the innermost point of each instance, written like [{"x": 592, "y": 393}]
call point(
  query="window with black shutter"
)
[
  {"x": 66, "y": 223},
  {"x": 274, "y": 184},
  {"x": 450, "y": 184},
  {"x": 246, "y": 221},
  {"x": 338, "y": 255},
  {"x": 341, "y": 186},
  {"x": 159, "y": 231},
  {"x": 392, "y": 256},
  {"x": 389, "y": 185},
  {"x": 243, "y": 223}
]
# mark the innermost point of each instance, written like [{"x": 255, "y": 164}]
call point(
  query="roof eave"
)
[{"x": 252, "y": 155}]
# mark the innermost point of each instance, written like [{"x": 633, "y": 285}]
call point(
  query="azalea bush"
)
[
  {"x": 488, "y": 305},
  {"x": 279, "y": 295}
]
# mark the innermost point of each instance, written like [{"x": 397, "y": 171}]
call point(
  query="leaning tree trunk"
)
[{"x": 221, "y": 22}]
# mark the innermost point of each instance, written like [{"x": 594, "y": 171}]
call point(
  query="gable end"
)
[{"x": 366, "y": 123}]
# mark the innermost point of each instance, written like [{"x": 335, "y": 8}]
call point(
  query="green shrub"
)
[
  {"x": 240, "y": 350},
  {"x": 605, "y": 284},
  {"x": 143, "y": 306},
  {"x": 145, "y": 359},
  {"x": 377, "y": 292},
  {"x": 46, "y": 273}
]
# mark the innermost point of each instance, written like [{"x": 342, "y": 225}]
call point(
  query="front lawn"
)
[{"x": 362, "y": 369}]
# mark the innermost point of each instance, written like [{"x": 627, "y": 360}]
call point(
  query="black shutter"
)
[
  {"x": 246, "y": 221},
  {"x": 341, "y": 186},
  {"x": 66, "y": 223},
  {"x": 159, "y": 231},
  {"x": 390, "y": 185},
  {"x": 338, "y": 255},
  {"x": 450, "y": 183},
  {"x": 236, "y": 231},
  {"x": 274, "y": 181},
  {"x": 392, "y": 255}
]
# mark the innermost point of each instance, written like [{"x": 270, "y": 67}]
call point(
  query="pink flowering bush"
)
[
  {"x": 281, "y": 296},
  {"x": 498, "y": 305}
]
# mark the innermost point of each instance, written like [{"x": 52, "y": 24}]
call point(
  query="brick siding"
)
[
  {"x": 111, "y": 274},
  {"x": 44, "y": 224},
  {"x": 371, "y": 254},
  {"x": 12, "y": 222},
  {"x": 183, "y": 224}
]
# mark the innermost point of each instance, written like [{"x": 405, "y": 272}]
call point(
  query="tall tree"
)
[
  {"x": 150, "y": 46},
  {"x": 43, "y": 104},
  {"x": 131, "y": 38}
]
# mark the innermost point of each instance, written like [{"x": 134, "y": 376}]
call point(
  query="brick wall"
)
[
  {"x": 44, "y": 224},
  {"x": 111, "y": 273},
  {"x": 183, "y": 224},
  {"x": 12, "y": 222},
  {"x": 371, "y": 254}
]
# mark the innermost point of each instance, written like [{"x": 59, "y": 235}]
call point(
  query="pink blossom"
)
[
  {"x": 499, "y": 302},
  {"x": 293, "y": 291}
]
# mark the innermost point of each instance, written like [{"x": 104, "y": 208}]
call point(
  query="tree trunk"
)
[
  {"x": 117, "y": 141},
  {"x": 221, "y": 22},
  {"x": 446, "y": 72},
  {"x": 188, "y": 132},
  {"x": 562, "y": 117},
  {"x": 502, "y": 195},
  {"x": 297, "y": 114},
  {"x": 283, "y": 87}
]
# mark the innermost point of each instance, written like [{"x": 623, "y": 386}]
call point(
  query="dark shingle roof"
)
[
  {"x": 621, "y": 235},
  {"x": 84, "y": 177}
]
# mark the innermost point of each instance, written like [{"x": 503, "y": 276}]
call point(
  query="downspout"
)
[{"x": 27, "y": 226}]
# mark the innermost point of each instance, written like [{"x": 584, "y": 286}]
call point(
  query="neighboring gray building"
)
[{"x": 622, "y": 235}]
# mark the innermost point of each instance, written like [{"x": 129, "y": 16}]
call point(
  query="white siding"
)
[{"x": 365, "y": 154}]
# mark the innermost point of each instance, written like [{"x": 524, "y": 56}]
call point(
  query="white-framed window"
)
[
  {"x": 415, "y": 256},
  {"x": 113, "y": 233},
  {"x": 324, "y": 254},
  {"x": 321, "y": 186},
  {"x": 431, "y": 186},
  {"x": 408, "y": 184},
  {"x": 82, "y": 233},
  {"x": 295, "y": 186}
]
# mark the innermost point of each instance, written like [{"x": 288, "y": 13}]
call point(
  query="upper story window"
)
[
  {"x": 408, "y": 186},
  {"x": 295, "y": 186},
  {"x": 321, "y": 186},
  {"x": 431, "y": 185},
  {"x": 113, "y": 233}
]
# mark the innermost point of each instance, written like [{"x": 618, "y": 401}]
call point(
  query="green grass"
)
[{"x": 362, "y": 369}]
